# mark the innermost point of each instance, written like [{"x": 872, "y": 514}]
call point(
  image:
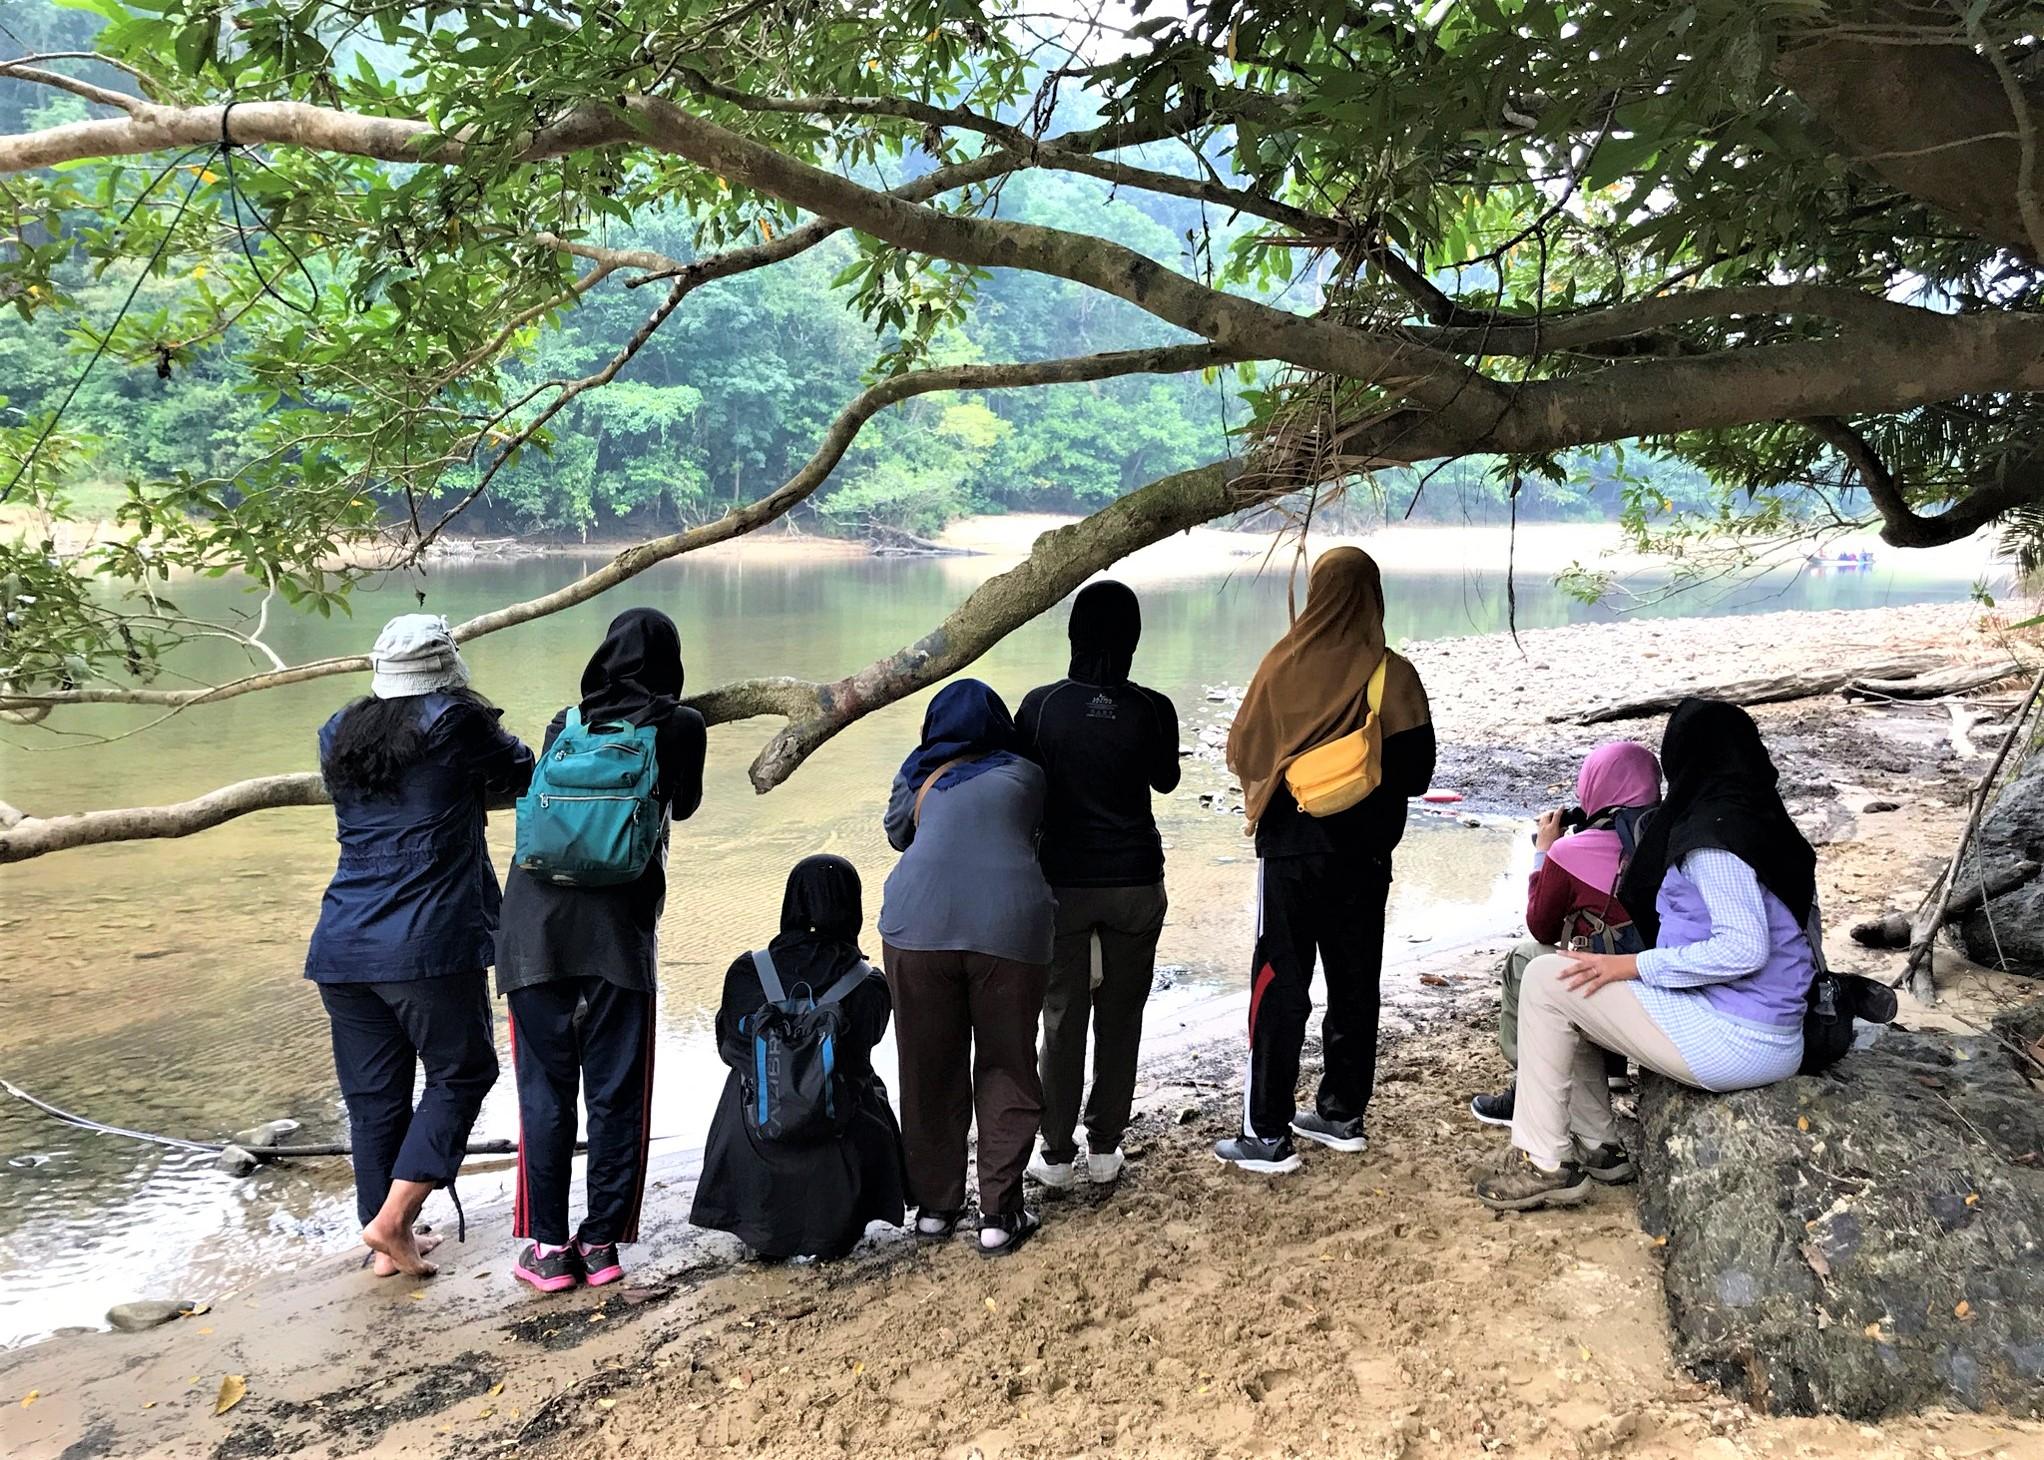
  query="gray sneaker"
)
[
  {"x": 1251, "y": 1153},
  {"x": 1609, "y": 1164},
  {"x": 1336, "y": 1135},
  {"x": 1515, "y": 1184}
]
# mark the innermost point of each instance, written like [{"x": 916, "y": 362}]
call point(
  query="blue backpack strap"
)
[
  {"x": 769, "y": 977},
  {"x": 857, "y": 974}
]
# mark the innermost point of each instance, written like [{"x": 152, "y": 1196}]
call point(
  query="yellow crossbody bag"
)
[{"x": 1331, "y": 778}]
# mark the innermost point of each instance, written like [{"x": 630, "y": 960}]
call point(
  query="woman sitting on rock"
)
[
  {"x": 1574, "y": 890},
  {"x": 1723, "y": 886},
  {"x": 809, "y": 1198}
]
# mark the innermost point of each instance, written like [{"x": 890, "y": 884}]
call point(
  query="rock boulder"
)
[
  {"x": 2009, "y": 931},
  {"x": 1865, "y": 1241}
]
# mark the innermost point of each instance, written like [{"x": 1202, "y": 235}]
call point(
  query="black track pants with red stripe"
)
[
  {"x": 589, "y": 1033},
  {"x": 1332, "y": 905}
]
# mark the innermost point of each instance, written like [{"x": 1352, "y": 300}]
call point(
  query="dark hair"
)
[{"x": 377, "y": 741}]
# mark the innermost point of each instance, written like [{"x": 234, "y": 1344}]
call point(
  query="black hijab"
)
[
  {"x": 635, "y": 674},
  {"x": 1721, "y": 793},
  {"x": 1107, "y": 622},
  {"x": 821, "y": 917}
]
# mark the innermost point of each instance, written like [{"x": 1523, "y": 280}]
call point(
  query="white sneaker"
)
[
  {"x": 1057, "y": 1175},
  {"x": 1104, "y": 1167}
]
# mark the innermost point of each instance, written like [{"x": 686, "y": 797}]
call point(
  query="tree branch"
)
[
  {"x": 22, "y": 71},
  {"x": 1162, "y": 360},
  {"x": 2020, "y": 479},
  {"x": 35, "y": 836},
  {"x": 1058, "y": 563},
  {"x": 1518, "y": 335},
  {"x": 1248, "y": 327}
]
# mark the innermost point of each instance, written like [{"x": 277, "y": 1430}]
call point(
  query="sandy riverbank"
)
[{"x": 1366, "y": 1307}]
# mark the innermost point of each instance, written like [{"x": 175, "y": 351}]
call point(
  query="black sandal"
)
[
  {"x": 1020, "y": 1227},
  {"x": 949, "y": 1219}
]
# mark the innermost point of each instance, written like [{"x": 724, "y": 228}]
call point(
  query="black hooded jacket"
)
[
  {"x": 549, "y": 932},
  {"x": 1105, "y": 743},
  {"x": 805, "y": 1200}
]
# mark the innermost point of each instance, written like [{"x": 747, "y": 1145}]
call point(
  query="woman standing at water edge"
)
[
  {"x": 1104, "y": 743},
  {"x": 1322, "y": 881},
  {"x": 815, "y": 1199},
  {"x": 1723, "y": 885},
  {"x": 965, "y": 927},
  {"x": 407, "y": 926},
  {"x": 578, "y": 966}
]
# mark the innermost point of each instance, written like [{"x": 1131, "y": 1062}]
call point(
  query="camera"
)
[{"x": 1573, "y": 818}]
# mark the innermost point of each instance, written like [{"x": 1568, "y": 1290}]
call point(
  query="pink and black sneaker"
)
[
  {"x": 549, "y": 1269},
  {"x": 600, "y": 1263}
]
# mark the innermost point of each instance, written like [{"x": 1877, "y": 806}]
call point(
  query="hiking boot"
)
[
  {"x": 1253, "y": 1153},
  {"x": 1057, "y": 1175},
  {"x": 600, "y": 1263},
  {"x": 1496, "y": 1109},
  {"x": 1515, "y": 1184},
  {"x": 1608, "y": 1163},
  {"x": 549, "y": 1269},
  {"x": 1336, "y": 1135},
  {"x": 1104, "y": 1167}
]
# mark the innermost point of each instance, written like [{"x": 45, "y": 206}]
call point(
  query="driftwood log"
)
[
  {"x": 1958, "y": 680},
  {"x": 1909, "y": 676},
  {"x": 1893, "y": 930}
]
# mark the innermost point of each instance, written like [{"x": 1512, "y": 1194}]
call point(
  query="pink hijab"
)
[{"x": 1622, "y": 773}]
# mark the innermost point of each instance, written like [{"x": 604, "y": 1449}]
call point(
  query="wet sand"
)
[{"x": 1364, "y": 1307}]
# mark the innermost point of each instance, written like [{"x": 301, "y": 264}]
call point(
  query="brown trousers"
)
[{"x": 965, "y": 1029}]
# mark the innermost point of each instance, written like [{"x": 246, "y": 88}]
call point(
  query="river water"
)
[{"x": 157, "y": 985}]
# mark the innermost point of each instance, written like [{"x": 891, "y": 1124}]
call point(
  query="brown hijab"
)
[{"x": 1313, "y": 686}]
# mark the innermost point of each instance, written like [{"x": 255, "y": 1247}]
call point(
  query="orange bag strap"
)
[{"x": 932, "y": 781}]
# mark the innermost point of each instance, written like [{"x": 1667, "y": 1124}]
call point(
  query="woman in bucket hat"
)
[{"x": 408, "y": 926}]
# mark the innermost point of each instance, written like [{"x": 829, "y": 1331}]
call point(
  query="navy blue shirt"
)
[{"x": 414, "y": 894}]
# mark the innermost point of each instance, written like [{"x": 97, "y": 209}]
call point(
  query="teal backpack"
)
[{"x": 591, "y": 818}]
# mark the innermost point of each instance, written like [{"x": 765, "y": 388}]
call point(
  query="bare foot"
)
[
  {"x": 394, "y": 1242},
  {"x": 385, "y": 1266}
]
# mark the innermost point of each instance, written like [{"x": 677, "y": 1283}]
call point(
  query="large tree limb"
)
[
  {"x": 2017, "y": 480},
  {"x": 1058, "y": 563},
  {"x": 1162, "y": 360},
  {"x": 1250, "y": 328},
  {"x": 35, "y": 836}
]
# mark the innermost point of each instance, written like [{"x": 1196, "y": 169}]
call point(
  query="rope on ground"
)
[{"x": 260, "y": 1153}]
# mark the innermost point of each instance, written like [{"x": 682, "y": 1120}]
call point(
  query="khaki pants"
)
[{"x": 1563, "y": 1099}]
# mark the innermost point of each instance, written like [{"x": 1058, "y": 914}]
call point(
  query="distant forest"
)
[{"x": 697, "y": 424}]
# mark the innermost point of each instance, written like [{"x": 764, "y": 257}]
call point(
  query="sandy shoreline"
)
[{"x": 1366, "y": 1308}]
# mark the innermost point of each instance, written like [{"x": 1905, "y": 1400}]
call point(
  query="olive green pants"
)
[{"x": 1514, "y": 973}]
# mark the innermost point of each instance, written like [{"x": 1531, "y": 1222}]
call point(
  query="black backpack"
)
[{"x": 795, "y": 1094}]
